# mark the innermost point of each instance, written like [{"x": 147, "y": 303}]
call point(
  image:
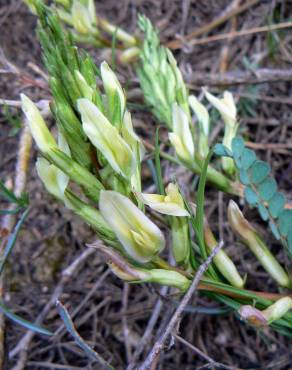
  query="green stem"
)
[{"x": 213, "y": 176}]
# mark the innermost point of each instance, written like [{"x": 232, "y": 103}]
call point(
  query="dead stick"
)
[
  {"x": 23, "y": 344},
  {"x": 150, "y": 326},
  {"x": 158, "y": 346},
  {"x": 234, "y": 34},
  {"x": 227, "y": 14},
  {"x": 197, "y": 351},
  {"x": 259, "y": 76}
]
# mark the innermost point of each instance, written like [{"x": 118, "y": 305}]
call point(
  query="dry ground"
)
[{"x": 52, "y": 238}]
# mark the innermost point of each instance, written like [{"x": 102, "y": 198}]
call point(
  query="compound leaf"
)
[
  {"x": 259, "y": 171},
  {"x": 267, "y": 188},
  {"x": 276, "y": 204},
  {"x": 222, "y": 151},
  {"x": 285, "y": 221},
  {"x": 247, "y": 158},
  {"x": 237, "y": 146},
  {"x": 250, "y": 195},
  {"x": 263, "y": 212}
]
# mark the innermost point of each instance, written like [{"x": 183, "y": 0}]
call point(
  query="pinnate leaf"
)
[
  {"x": 259, "y": 171},
  {"x": 263, "y": 212},
  {"x": 222, "y": 150},
  {"x": 276, "y": 204},
  {"x": 250, "y": 195},
  {"x": 244, "y": 177},
  {"x": 289, "y": 238},
  {"x": 248, "y": 157},
  {"x": 267, "y": 188},
  {"x": 274, "y": 230},
  {"x": 285, "y": 222},
  {"x": 237, "y": 146}
]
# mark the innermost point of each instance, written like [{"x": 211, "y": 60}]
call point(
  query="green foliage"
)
[
  {"x": 159, "y": 76},
  {"x": 222, "y": 150},
  {"x": 11, "y": 241},
  {"x": 62, "y": 60},
  {"x": 24, "y": 323},
  {"x": 20, "y": 202},
  {"x": 94, "y": 356},
  {"x": 261, "y": 189}
]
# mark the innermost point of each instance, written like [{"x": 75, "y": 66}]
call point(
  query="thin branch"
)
[
  {"x": 23, "y": 344},
  {"x": 150, "y": 326},
  {"x": 197, "y": 351},
  {"x": 225, "y": 16},
  {"x": 234, "y": 34},
  {"x": 258, "y": 76},
  {"x": 159, "y": 345}
]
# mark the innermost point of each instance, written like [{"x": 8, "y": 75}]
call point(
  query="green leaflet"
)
[{"x": 261, "y": 189}]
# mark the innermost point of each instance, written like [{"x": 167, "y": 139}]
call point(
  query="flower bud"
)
[
  {"x": 120, "y": 266},
  {"x": 169, "y": 278},
  {"x": 39, "y": 130},
  {"x": 170, "y": 204},
  {"x": 180, "y": 240},
  {"x": 227, "y": 109},
  {"x": 129, "y": 55},
  {"x": 120, "y": 34},
  {"x": 106, "y": 138},
  {"x": 180, "y": 87},
  {"x": 252, "y": 239},
  {"x": 278, "y": 309},
  {"x": 83, "y": 17},
  {"x": 265, "y": 317},
  {"x": 225, "y": 106},
  {"x": 85, "y": 89},
  {"x": 137, "y": 148},
  {"x": 127, "y": 272},
  {"x": 253, "y": 316},
  {"x": 222, "y": 261},
  {"x": 140, "y": 237},
  {"x": 203, "y": 120},
  {"x": 54, "y": 180},
  {"x": 181, "y": 137},
  {"x": 115, "y": 95}
]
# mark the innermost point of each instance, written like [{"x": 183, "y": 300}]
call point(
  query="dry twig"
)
[
  {"x": 225, "y": 15},
  {"x": 261, "y": 75},
  {"x": 158, "y": 346},
  {"x": 23, "y": 344}
]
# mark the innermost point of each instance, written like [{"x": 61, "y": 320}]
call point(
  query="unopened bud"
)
[
  {"x": 252, "y": 239},
  {"x": 181, "y": 138}
]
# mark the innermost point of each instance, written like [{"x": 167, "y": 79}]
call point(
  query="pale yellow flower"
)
[{"x": 140, "y": 237}]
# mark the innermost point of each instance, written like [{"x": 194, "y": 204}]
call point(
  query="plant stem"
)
[
  {"x": 211, "y": 285},
  {"x": 214, "y": 177}
]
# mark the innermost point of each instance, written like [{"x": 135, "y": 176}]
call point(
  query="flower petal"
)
[
  {"x": 201, "y": 113},
  {"x": 129, "y": 223},
  {"x": 39, "y": 130},
  {"x": 106, "y": 138}
]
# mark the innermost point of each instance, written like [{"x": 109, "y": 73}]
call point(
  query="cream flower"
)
[
  {"x": 170, "y": 204},
  {"x": 140, "y": 237}
]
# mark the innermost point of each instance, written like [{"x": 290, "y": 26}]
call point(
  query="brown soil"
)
[{"x": 52, "y": 237}]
